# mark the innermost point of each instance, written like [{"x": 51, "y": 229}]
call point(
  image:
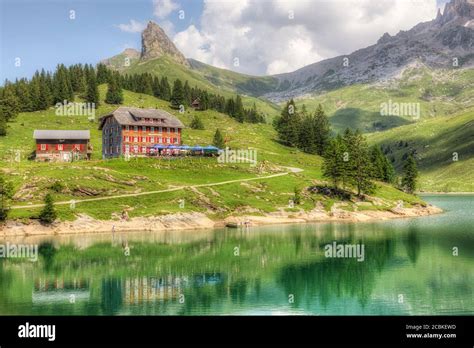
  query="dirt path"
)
[{"x": 151, "y": 192}]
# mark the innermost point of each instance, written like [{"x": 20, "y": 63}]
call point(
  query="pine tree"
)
[
  {"x": 229, "y": 108},
  {"x": 6, "y": 193},
  {"x": 3, "y": 123},
  {"x": 196, "y": 123},
  {"x": 62, "y": 85},
  {"x": 388, "y": 170},
  {"x": 156, "y": 86},
  {"x": 147, "y": 84},
  {"x": 187, "y": 94},
  {"x": 45, "y": 83},
  {"x": 288, "y": 125},
  {"x": 9, "y": 103},
  {"x": 114, "y": 92},
  {"x": 239, "y": 109},
  {"x": 322, "y": 130},
  {"x": 410, "y": 175},
  {"x": 48, "y": 214},
  {"x": 177, "y": 96},
  {"x": 218, "y": 140},
  {"x": 359, "y": 170},
  {"x": 378, "y": 163},
  {"x": 103, "y": 74},
  {"x": 24, "y": 96},
  {"x": 204, "y": 101},
  {"x": 165, "y": 89},
  {"x": 92, "y": 91},
  {"x": 333, "y": 164}
]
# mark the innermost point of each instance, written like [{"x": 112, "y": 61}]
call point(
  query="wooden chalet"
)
[
  {"x": 196, "y": 103},
  {"x": 62, "y": 145},
  {"x": 136, "y": 131}
]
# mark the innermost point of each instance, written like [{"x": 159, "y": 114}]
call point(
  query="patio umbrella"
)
[{"x": 211, "y": 148}]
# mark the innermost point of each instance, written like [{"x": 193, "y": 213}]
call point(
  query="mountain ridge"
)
[{"x": 438, "y": 43}]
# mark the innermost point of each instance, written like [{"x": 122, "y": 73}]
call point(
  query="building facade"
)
[
  {"x": 62, "y": 145},
  {"x": 135, "y": 131}
]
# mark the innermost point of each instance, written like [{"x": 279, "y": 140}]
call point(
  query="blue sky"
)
[{"x": 42, "y": 34}]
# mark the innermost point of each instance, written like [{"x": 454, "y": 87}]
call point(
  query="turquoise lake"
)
[{"x": 420, "y": 266}]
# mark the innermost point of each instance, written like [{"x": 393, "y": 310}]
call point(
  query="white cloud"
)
[
  {"x": 276, "y": 36},
  {"x": 162, "y": 8},
  {"x": 132, "y": 27}
]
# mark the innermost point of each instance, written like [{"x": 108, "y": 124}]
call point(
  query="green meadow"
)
[{"x": 107, "y": 178}]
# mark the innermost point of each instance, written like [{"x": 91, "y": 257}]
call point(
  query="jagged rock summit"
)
[{"x": 155, "y": 43}]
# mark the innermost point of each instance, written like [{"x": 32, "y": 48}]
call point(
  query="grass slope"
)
[
  {"x": 103, "y": 178},
  {"x": 214, "y": 80},
  {"x": 439, "y": 93},
  {"x": 435, "y": 143}
]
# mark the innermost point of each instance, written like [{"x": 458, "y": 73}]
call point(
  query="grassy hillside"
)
[
  {"x": 104, "y": 178},
  {"x": 435, "y": 142},
  {"x": 218, "y": 81},
  {"x": 438, "y": 92}
]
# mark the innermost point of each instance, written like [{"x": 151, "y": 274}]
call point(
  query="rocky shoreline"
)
[{"x": 193, "y": 221}]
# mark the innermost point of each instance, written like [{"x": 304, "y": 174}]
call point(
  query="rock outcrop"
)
[{"x": 155, "y": 43}]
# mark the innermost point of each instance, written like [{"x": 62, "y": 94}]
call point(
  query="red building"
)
[
  {"x": 62, "y": 145},
  {"x": 135, "y": 131}
]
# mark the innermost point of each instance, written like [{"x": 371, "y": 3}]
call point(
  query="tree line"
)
[
  {"x": 347, "y": 159},
  {"x": 45, "y": 89},
  {"x": 182, "y": 94}
]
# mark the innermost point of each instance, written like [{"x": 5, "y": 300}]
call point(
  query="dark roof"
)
[
  {"x": 61, "y": 134},
  {"x": 131, "y": 116}
]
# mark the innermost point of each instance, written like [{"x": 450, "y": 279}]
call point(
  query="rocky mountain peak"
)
[
  {"x": 131, "y": 53},
  {"x": 460, "y": 11},
  {"x": 155, "y": 43}
]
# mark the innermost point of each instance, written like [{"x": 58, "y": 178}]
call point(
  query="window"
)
[
  {"x": 127, "y": 148},
  {"x": 135, "y": 148},
  {"x": 135, "y": 128},
  {"x": 152, "y": 129},
  {"x": 43, "y": 147},
  {"x": 144, "y": 128},
  {"x": 143, "y": 149},
  {"x": 176, "y": 130},
  {"x": 60, "y": 147},
  {"x": 152, "y": 139},
  {"x": 143, "y": 139},
  {"x": 175, "y": 140},
  {"x": 135, "y": 139},
  {"x": 168, "y": 140},
  {"x": 127, "y": 127}
]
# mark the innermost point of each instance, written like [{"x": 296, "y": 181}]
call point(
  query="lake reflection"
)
[{"x": 408, "y": 268}]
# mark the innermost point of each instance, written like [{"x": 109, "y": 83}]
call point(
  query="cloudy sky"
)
[{"x": 256, "y": 37}]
